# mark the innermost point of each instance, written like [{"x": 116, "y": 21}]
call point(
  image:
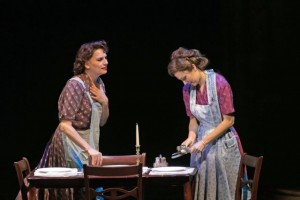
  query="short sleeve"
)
[
  {"x": 69, "y": 100},
  {"x": 225, "y": 95}
]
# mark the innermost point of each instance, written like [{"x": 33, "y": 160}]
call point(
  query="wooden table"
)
[{"x": 158, "y": 180}]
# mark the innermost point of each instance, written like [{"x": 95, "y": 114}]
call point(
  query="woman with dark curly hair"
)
[
  {"x": 212, "y": 140},
  {"x": 83, "y": 109}
]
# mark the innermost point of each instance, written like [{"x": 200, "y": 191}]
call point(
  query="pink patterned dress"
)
[{"x": 218, "y": 164}]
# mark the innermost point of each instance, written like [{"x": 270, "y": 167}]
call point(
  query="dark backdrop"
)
[{"x": 252, "y": 43}]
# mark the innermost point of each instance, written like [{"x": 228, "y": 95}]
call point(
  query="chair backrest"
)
[
  {"x": 23, "y": 169},
  {"x": 123, "y": 159},
  {"x": 248, "y": 177},
  {"x": 117, "y": 189}
]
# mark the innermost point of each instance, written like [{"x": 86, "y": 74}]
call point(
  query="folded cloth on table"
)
[
  {"x": 57, "y": 172},
  {"x": 146, "y": 170},
  {"x": 187, "y": 170}
]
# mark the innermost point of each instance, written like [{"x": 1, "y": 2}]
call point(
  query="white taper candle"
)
[{"x": 137, "y": 137}]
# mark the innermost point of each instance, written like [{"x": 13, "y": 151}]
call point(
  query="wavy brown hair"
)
[
  {"x": 85, "y": 52},
  {"x": 182, "y": 59}
]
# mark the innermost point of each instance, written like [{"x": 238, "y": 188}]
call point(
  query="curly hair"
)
[
  {"x": 85, "y": 52},
  {"x": 182, "y": 59}
]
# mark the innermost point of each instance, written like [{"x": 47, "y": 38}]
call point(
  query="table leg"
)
[{"x": 187, "y": 191}]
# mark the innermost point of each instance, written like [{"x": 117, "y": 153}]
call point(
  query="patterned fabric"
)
[
  {"x": 74, "y": 155},
  {"x": 225, "y": 99},
  {"x": 224, "y": 92},
  {"x": 74, "y": 104},
  {"x": 218, "y": 164}
]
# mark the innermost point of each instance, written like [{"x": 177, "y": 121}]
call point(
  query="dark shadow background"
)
[{"x": 254, "y": 44}]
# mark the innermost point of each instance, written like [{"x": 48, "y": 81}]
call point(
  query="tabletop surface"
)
[{"x": 177, "y": 177}]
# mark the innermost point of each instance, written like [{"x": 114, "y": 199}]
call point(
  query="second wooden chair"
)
[
  {"x": 248, "y": 177},
  {"x": 117, "y": 189},
  {"x": 124, "y": 159}
]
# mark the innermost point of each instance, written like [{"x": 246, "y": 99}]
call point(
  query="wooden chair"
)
[
  {"x": 248, "y": 177},
  {"x": 116, "y": 189},
  {"x": 23, "y": 169},
  {"x": 123, "y": 159}
]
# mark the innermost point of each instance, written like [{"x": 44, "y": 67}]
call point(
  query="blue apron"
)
[
  {"x": 218, "y": 164},
  {"x": 76, "y": 156}
]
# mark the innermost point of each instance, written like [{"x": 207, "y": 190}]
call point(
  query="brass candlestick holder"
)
[{"x": 137, "y": 149}]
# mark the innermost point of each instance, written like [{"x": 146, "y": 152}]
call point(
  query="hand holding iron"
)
[{"x": 181, "y": 150}]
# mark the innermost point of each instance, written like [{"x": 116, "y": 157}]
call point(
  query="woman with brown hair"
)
[
  {"x": 83, "y": 109},
  {"x": 212, "y": 140}
]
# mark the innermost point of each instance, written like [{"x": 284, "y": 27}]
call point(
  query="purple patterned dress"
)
[{"x": 74, "y": 104}]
